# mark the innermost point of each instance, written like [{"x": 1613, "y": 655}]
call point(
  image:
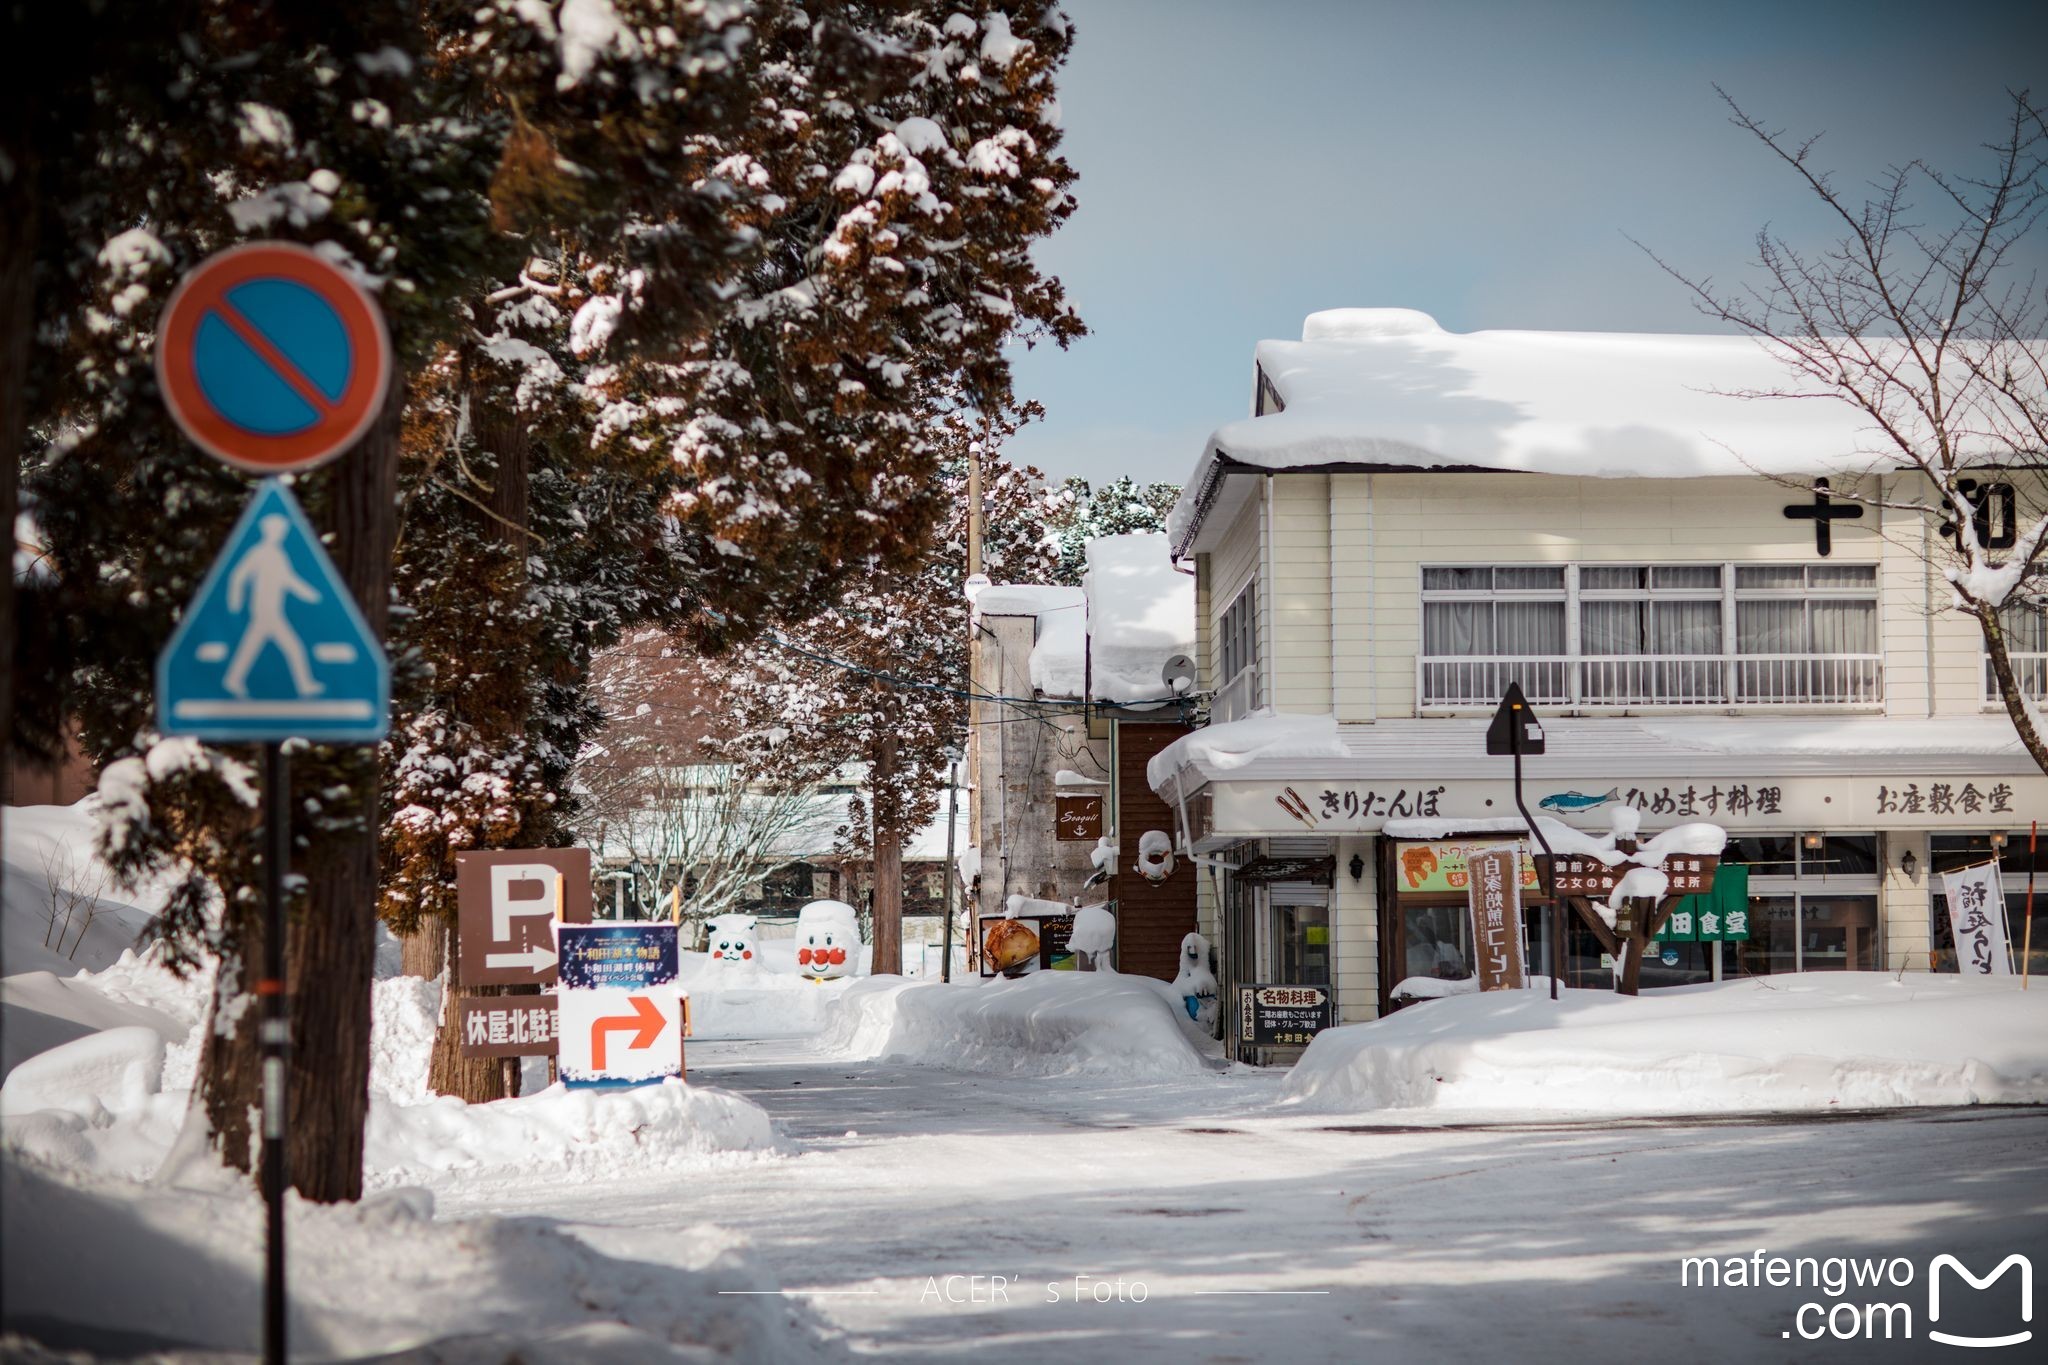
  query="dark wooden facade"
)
[{"x": 1152, "y": 918}]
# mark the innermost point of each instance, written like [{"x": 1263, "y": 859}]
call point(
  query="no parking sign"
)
[{"x": 272, "y": 358}]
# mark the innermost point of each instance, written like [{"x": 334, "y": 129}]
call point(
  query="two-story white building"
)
[{"x": 1412, "y": 518}]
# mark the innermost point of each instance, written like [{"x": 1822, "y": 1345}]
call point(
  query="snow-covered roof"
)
[
  {"x": 1266, "y": 748},
  {"x": 1112, "y": 636},
  {"x": 1387, "y": 388}
]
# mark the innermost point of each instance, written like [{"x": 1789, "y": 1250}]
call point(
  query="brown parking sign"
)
[{"x": 507, "y": 901}]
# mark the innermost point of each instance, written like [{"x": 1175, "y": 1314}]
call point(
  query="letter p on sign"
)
[{"x": 522, "y": 889}]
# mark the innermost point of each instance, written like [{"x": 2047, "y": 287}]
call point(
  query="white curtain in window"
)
[
  {"x": 1529, "y": 629},
  {"x": 1688, "y": 627},
  {"x": 1611, "y": 627},
  {"x": 1450, "y": 628},
  {"x": 1770, "y": 627},
  {"x": 1843, "y": 627}
]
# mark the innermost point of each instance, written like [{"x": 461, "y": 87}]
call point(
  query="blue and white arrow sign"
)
[{"x": 272, "y": 646}]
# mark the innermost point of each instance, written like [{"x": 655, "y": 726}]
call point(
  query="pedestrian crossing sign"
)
[{"x": 272, "y": 646}]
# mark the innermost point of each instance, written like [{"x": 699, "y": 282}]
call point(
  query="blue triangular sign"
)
[{"x": 272, "y": 646}]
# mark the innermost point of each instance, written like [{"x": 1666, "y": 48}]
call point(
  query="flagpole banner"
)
[
  {"x": 1495, "y": 898},
  {"x": 1976, "y": 912}
]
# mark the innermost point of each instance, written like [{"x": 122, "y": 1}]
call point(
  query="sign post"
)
[
  {"x": 1515, "y": 730},
  {"x": 272, "y": 359}
]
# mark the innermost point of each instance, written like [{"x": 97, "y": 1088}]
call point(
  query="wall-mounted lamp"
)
[
  {"x": 1357, "y": 867},
  {"x": 1999, "y": 839},
  {"x": 1909, "y": 863},
  {"x": 1812, "y": 843}
]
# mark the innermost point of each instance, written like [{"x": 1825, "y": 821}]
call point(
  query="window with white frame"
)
[
  {"x": 2026, "y": 643},
  {"x": 1238, "y": 632},
  {"x": 1651, "y": 634}
]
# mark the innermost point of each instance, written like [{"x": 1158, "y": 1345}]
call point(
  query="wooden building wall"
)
[{"x": 1152, "y": 919}]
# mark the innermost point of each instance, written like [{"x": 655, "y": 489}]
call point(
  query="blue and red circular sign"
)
[{"x": 271, "y": 358}]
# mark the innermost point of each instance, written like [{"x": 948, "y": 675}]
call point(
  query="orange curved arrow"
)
[{"x": 646, "y": 1019}]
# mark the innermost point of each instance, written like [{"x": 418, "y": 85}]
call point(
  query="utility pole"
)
[{"x": 978, "y": 713}]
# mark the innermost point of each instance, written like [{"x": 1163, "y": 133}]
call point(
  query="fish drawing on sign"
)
[{"x": 1578, "y": 800}]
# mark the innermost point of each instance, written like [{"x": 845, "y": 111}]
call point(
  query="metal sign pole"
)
[
  {"x": 952, "y": 871},
  {"x": 1556, "y": 919},
  {"x": 2027, "y": 951},
  {"x": 276, "y": 1037}
]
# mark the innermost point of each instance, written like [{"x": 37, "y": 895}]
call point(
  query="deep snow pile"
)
[
  {"x": 1043, "y": 1024},
  {"x": 149, "y": 1266},
  {"x": 416, "y": 1135},
  {"x": 762, "y": 998},
  {"x": 1851, "y": 1040}
]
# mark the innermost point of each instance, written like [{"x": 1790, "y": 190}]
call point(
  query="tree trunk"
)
[
  {"x": 474, "y": 1080},
  {"x": 231, "y": 1056},
  {"x": 19, "y": 213},
  {"x": 479, "y": 1080},
  {"x": 333, "y": 946},
  {"x": 424, "y": 952},
  {"x": 888, "y": 912}
]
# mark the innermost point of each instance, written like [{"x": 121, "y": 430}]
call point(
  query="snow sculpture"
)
[
  {"x": 1195, "y": 983},
  {"x": 827, "y": 940},
  {"x": 1155, "y": 855},
  {"x": 731, "y": 938},
  {"x": 1093, "y": 936}
]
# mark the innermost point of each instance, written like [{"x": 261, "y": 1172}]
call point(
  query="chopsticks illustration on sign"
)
[{"x": 1296, "y": 807}]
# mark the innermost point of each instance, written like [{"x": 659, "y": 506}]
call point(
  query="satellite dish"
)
[{"x": 1178, "y": 675}]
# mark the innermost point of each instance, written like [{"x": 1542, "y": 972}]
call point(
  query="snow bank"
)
[
  {"x": 1141, "y": 612},
  {"x": 589, "y": 1134},
  {"x": 40, "y": 1010},
  {"x": 1220, "y": 748},
  {"x": 763, "y": 998},
  {"x": 371, "y": 1278},
  {"x": 112, "y": 1103},
  {"x": 1812, "y": 1041},
  {"x": 1043, "y": 1024},
  {"x": 46, "y": 844}
]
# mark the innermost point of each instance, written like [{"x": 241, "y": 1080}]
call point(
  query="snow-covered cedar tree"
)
[
  {"x": 901, "y": 162},
  {"x": 1119, "y": 507},
  {"x": 219, "y": 124},
  {"x": 677, "y": 293},
  {"x": 1926, "y": 316},
  {"x": 879, "y": 680}
]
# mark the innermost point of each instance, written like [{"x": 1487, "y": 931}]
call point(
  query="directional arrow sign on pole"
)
[
  {"x": 620, "y": 1037},
  {"x": 272, "y": 646},
  {"x": 508, "y": 902},
  {"x": 621, "y": 1011}
]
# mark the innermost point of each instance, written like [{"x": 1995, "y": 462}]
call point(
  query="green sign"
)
[{"x": 1720, "y": 916}]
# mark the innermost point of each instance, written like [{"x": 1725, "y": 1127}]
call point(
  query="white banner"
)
[
  {"x": 1976, "y": 912},
  {"x": 1250, "y": 809}
]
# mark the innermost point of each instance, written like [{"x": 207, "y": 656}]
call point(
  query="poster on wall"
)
[
  {"x": 1495, "y": 899},
  {"x": 1420, "y": 869},
  {"x": 1017, "y": 945},
  {"x": 1976, "y": 912}
]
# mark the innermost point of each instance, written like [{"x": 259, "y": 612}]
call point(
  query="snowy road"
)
[{"x": 1256, "y": 1237}]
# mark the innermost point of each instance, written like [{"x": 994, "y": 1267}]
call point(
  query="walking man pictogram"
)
[{"x": 264, "y": 580}]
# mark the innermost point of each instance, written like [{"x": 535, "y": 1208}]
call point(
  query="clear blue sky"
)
[{"x": 1244, "y": 164}]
